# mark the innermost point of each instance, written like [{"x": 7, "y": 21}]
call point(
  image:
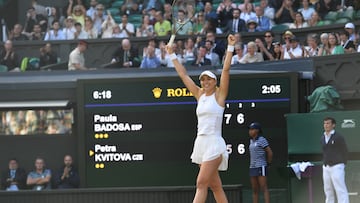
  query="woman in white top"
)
[
  {"x": 209, "y": 148},
  {"x": 299, "y": 22}
]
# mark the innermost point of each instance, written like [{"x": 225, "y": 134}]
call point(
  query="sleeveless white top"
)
[{"x": 209, "y": 143}]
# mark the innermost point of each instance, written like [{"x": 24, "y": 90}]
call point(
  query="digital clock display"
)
[{"x": 140, "y": 131}]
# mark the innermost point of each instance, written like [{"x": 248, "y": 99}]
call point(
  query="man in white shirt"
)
[
  {"x": 126, "y": 29},
  {"x": 76, "y": 57},
  {"x": 294, "y": 51},
  {"x": 69, "y": 28}
]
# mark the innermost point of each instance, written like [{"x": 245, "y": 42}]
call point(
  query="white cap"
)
[
  {"x": 208, "y": 73},
  {"x": 350, "y": 25}
]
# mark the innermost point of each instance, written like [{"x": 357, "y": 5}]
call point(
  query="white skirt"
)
[{"x": 210, "y": 147}]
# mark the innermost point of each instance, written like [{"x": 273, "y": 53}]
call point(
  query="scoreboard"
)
[{"x": 139, "y": 132}]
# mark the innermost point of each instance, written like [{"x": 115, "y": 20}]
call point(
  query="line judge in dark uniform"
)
[
  {"x": 125, "y": 56},
  {"x": 334, "y": 157}
]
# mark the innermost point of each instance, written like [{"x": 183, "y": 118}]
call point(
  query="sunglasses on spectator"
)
[{"x": 287, "y": 38}]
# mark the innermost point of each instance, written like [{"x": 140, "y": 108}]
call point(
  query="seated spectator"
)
[
  {"x": 76, "y": 57},
  {"x": 333, "y": 47},
  {"x": 346, "y": 43},
  {"x": 264, "y": 23},
  {"x": 324, "y": 6},
  {"x": 299, "y": 22},
  {"x": 126, "y": 56},
  {"x": 239, "y": 54},
  {"x": 80, "y": 33},
  {"x": 55, "y": 33},
  {"x": 89, "y": 28},
  {"x": 211, "y": 26},
  {"x": 33, "y": 18},
  {"x": 201, "y": 59},
  {"x": 186, "y": 28},
  {"x": 306, "y": 10},
  {"x": 324, "y": 43},
  {"x": 315, "y": 20},
  {"x": 78, "y": 12},
  {"x": 252, "y": 25},
  {"x": 36, "y": 33},
  {"x": 242, "y": 6},
  {"x": 9, "y": 57},
  {"x": 225, "y": 12},
  {"x": 146, "y": 29},
  {"x": 116, "y": 32},
  {"x": 312, "y": 48},
  {"x": 294, "y": 49},
  {"x": 236, "y": 24},
  {"x": 218, "y": 45},
  {"x": 277, "y": 51},
  {"x": 167, "y": 13},
  {"x": 152, "y": 42},
  {"x": 350, "y": 28},
  {"x": 91, "y": 11},
  {"x": 189, "y": 52},
  {"x": 209, "y": 12},
  {"x": 152, "y": 15},
  {"x": 130, "y": 7},
  {"x": 165, "y": 57},
  {"x": 214, "y": 57},
  {"x": 126, "y": 29},
  {"x": 248, "y": 13},
  {"x": 55, "y": 14},
  {"x": 107, "y": 27},
  {"x": 147, "y": 5},
  {"x": 150, "y": 60},
  {"x": 198, "y": 23},
  {"x": 67, "y": 177},
  {"x": 39, "y": 179},
  {"x": 162, "y": 27},
  {"x": 269, "y": 11},
  {"x": 16, "y": 34},
  {"x": 14, "y": 177},
  {"x": 99, "y": 17},
  {"x": 285, "y": 14},
  {"x": 252, "y": 54},
  {"x": 47, "y": 55},
  {"x": 69, "y": 29},
  {"x": 266, "y": 47}
]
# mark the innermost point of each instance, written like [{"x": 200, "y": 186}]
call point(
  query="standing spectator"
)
[
  {"x": 260, "y": 159},
  {"x": 299, "y": 22},
  {"x": 263, "y": 22},
  {"x": 78, "y": 12},
  {"x": 211, "y": 26},
  {"x": 306, "y": 10},
  {"x": 8, "y": 57},
  {"x": 14, "y": 177},
  {"x": 236, "y": 24},
  {"x": 55, "y": 14},
  {"x": 167, "y": 13},
  {"x": 209, "y": 12},
  {"x": 252, "y": 54},
  {"x": 16, "y": 34},
  {"x": 315, "y": 20},
  {"x": 201, "y": 59},
  {"x": 69, "y": 29},
  {"x": 248, "y": 12},
  {"x": 225, "y": 12},
  {"x": 335, "y": 154},
  {"x": 350, "y": 28},
  {"x": 268, "y": 11},
  {"x": 151, "y": 4},
  {"x": 152, "y": 14},
  {"x": 47, "y": 55},
  {"x": 198, "y": 23},
  {"x": 91, "y": 11},
  {"x": 107, "y": 27},
  {"x": 33, "y": 18},
  {"x": 186, "y": 29},
  {"x": 239, "y": 54},
  {"x": 286, "y": 14},
  {"x": 294, "y": 50},
  {"x": 346, "y": 43},
  {"x": 55, "y": 33},
  {"x": 130, "y": 7},
  {"x": 80, "y": 33},
  {"x": 89, "y": 28},
  {"x": 67, "y": 176},
  {"x": 162, "y": 27},
  {"x": 39, "y": 179},
  {"x": 99, "y": 17},
  {"x": 126, "y": 29},
  {"x": 126, "y": 56},
  {"x": 37, "y": 34},
  {"x": 333, "y": 47},
  {"x": 312, "y": 49},
  {"x": 76, "y": 57},
  {"x": 150, "y": 60},
  {"x": 266, "y": 48},
  {"x": 146, "y": 29},
  {"x": 189, "y": 52}
]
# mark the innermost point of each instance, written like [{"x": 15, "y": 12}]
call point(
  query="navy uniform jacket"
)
[{"x": 335, "y": 151}]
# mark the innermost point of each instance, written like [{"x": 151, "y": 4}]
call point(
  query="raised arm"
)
[
  {"x": 180, "y": 69},
  {"x": 225, "y": 74}
]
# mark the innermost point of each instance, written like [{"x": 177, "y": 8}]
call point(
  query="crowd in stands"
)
[
  {"x": 126, "y": 19},
  {"x": 15, "y": 178}
]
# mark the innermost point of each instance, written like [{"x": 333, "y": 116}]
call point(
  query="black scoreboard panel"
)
[{"x": 140, "y": 131}]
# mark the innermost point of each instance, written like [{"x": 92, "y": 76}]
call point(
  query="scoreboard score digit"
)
[{"x": 140, "y": 131}]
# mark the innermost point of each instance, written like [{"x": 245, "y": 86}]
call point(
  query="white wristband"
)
[
  {"x": 173, "y": 56},
  {"x": 231, "y": 48}
]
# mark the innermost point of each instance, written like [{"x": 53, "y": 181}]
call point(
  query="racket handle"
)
[{"x": 171, "y": 41}]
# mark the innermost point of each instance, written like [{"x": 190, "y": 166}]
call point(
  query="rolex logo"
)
[{"x": 157, "y": 92}]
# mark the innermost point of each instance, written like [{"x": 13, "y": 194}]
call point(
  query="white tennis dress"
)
[{"x": 209, "y": 143}]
